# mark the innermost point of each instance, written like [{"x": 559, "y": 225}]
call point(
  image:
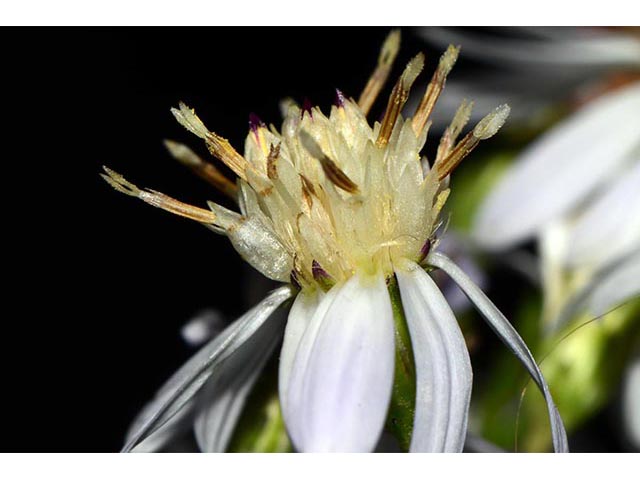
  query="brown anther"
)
[
  {"x": 331, "y": 170},
  {"x": 337, "y": 176},
  {"x": 307, "y": 190},
  {"x": 221, "y": 148},
  {"x": 274, "y": 153},
  {"x": 461, "y": 150},
  {"x": 205, "y": 170},
  {"x": 378, "y": 78},
  {"x": 157, "y": 199},
  {"x": 423, "y": 112},
  {"x": 486, "y": 128},
  {"x": 165, "y": 202},
  {"x": 306, "y": 184},
  {"x": 398, "y": 98}
]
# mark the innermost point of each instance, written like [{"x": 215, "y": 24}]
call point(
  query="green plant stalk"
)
[{"x": 403, "y": 398}]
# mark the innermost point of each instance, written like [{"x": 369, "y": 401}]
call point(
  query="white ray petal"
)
[
  {"x": 300, "y": 315},
  {"x": 224, "y": 396},
  {"x": 443, "y": 368},
  {"x": 510, "y": 337},
  {"x": 339, "y": 387},
  {"x": 305, "y": 319},
  {"x": 610, "y": 227},
  {"x": 558, "y": 171},
  {"x": 178, "y": 392}
]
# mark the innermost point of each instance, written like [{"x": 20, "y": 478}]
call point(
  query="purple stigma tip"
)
[
  {"x": 255, "y": 122},
  {"x": 319, "y": 273},
  {"x": 339, "y": 100},
  {"x": 306, "y": 107},
  {"x": 424, "y": 251}
]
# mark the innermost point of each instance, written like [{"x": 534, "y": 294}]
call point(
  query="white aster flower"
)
[
  {"x": 339, "y": 210},
  {"x": 534, "y": 68},
  {"x": 578, "y": 190}
]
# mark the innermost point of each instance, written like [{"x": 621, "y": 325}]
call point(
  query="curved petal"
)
[
  {"x": 610, "y": 227},
  {"x": 339, "y": 386},
  {"x": 443, "y": 368},
  {"x": 177, "y": 393},
  {"x": 558, "y": 171},
  {"x": 509, "y": 337},
  {"x": 223, "y": 397}
]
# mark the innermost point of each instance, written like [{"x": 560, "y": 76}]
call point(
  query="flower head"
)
[{"x": 340, "y": 209}]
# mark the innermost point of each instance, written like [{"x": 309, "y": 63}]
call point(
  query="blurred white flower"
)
[
  {"x": 577, "y": 189},
  {"x": 206, "y": 324},
  {"x": 532, "y": 68},
  {"x": 339, "y": 209}
]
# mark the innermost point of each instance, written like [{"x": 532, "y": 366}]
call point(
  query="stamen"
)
[
  {"x": 423, "y": 112},
  {"x": 450, "y": 135},
  {"x": 158, "y": 199},
  {"x": 398, "y": 98},
  {"x": 219, "y": 147},
  {"x": 331, "y": 170},
  {"x": 307, "y": 190},
  {"x": 486, "y": 128},
  {"x": 203, "y": 169},
  {"x": 274, "y": 153},
  {"x": 378, "y": 78}
]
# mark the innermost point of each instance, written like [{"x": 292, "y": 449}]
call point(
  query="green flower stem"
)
[{"x": 403, "y": 398}]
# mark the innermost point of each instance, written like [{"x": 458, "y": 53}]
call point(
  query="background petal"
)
[
  {"x": 180, "y": 389},
  {"x": 610, "y": 227},
  {"x": 560, "y": 169},
  {"x": 220, "y": 404}
]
